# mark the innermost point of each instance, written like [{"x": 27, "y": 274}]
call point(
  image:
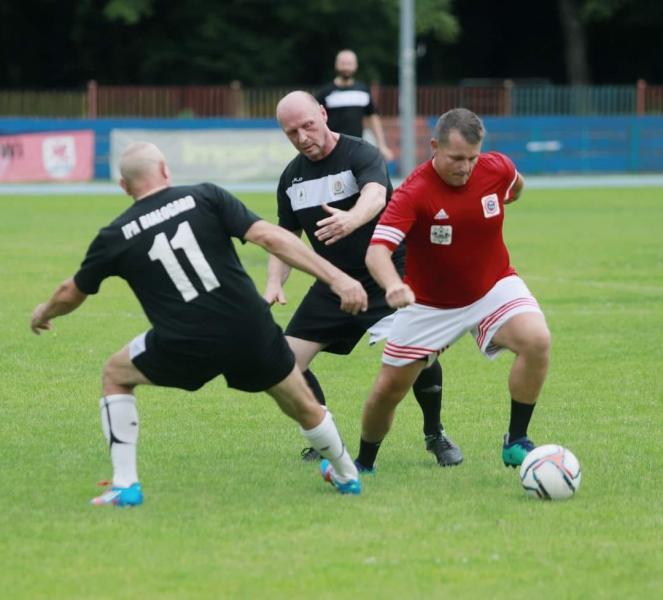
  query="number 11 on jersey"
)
[{"x": 162, "y": 250}]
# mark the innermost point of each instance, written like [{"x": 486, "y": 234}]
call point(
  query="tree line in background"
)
[{"x": 65, "y": 43}]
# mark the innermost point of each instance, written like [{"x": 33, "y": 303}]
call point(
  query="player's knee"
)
[
  {"x": 391, "y": 387},
  {"x": 537, "y": 344},
  {"x": 109, "y": 373},
  {"x": 111, "y": 377}
]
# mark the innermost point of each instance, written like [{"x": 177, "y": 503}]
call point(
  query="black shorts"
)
[
  {"x": 319, "y": 318},
  {"x": 252, "y": 364}
]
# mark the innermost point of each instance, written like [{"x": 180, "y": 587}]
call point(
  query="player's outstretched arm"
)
[
  {"x": 66, "y": 298},
  {"x": 292, "y": 251},
  {"x": 341, "y": 223},
  {"x": 277, "y": 275},
  {"x": 381, "y": 268}
]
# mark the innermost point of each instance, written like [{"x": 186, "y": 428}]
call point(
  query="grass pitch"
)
[{"x": 231, "y": 511}]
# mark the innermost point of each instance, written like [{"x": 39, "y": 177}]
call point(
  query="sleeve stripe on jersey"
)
[
  {"x": 507, "y": 195},
  {"x": 388, "y": 234}
]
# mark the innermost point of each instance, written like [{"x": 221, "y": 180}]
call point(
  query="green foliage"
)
[
  {"x": 436, "y": 17},
  {"x": 642, "y": 11},
  {"x": 128, "y": 11},
  {"x": 600, "y": 10},
  {"x": 198, "y": 41},
  {"x": 231, "y": 512}
]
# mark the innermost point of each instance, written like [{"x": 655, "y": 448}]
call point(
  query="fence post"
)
[
  {"x": 237, "y": 101},
  {"x": 92, "y": 99},
  {"x": 640, "y": 93}
]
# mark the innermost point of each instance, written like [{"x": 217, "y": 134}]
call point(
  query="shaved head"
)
[
  {"x": 296, "y": 102},
  {"x": 139, "y": 159},
  {"x": 143, "y": 169}
]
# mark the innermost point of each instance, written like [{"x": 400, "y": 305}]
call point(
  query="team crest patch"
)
[
  {"x": 441, "y": 214},
  {"x": 337, "y": 186},
  {"x": 300, "y": 195},
  {"x": 440, "y": 234},
  {"x": 491, "y": 206}
]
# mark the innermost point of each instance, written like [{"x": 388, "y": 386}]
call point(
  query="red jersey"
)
[{"x": 455, "y": 249}]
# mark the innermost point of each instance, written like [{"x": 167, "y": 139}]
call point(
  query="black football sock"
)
[
  {"x": 368, "y": 452},
  {"x": 428, "y": 392},
  {"x": 520, "y": 418},
  {"x": 313, "y": 383}
]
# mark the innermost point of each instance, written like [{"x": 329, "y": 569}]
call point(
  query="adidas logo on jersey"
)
[{"x": 442, "y": 214}]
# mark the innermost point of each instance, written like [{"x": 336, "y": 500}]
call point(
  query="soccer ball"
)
[{"x": 550, "y": 472}]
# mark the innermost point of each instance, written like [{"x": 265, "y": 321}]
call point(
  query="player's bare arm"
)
[
  {"x": 291, "y": 250},
  {"x": 277, "y": 275},
  {"x": 66, "y": 298},
  {"x": 375, "y": 125},
  {"x": 378, "y": 260},
  {"x": 341, "y": 223}
]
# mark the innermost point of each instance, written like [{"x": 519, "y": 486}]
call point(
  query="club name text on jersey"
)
[{"x": 167, "y": 211}]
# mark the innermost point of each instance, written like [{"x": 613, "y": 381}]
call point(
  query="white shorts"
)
[{"x": 421, "y": 332}]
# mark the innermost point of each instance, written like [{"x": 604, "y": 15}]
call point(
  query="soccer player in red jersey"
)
[{"x": 458, "y": 279}]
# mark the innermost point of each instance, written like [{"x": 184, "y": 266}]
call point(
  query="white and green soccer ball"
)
[{"x": 550, "y": 472}]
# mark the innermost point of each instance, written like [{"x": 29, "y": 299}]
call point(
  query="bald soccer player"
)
[
  {"x": 334, "y": 190},
  {"x": 173, "y": 247}
]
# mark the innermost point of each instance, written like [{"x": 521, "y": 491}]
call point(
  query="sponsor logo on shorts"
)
[
  {"x": 491, "y": 206},
  {"x": 440, "y": 234}
]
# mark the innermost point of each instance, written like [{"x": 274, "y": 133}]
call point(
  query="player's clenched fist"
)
[
  {"x": 352, "y": 294},
  {"x": 399, "y": 296}
]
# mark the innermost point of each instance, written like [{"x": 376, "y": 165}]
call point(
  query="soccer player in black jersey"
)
[
  {"x": 348, "y": 101},
  {"x": 173, "y": 247},
  {"x": 335, "y": 191}
]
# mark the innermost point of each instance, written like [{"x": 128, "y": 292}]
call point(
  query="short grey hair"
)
[{"x": 464, "y": 121}]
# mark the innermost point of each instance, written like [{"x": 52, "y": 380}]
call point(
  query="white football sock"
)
[
  {"x": 327, "y": 441},
  {"x": 119, "y": 421}
]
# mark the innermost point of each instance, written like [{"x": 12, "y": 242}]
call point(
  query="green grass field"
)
[{"x": 231, "y": 511}]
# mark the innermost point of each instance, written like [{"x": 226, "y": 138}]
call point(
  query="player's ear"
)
[
  {"x": 323, "y": 112},
  {"x": 164, "y": 170},
  {"x": 125, "y": 187},
  {"x": 434, "y": 145}
]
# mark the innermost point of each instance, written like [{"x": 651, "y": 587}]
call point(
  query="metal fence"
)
[
  {"x": 236, "y": 101},
  {"x": 50, "y": 103}
]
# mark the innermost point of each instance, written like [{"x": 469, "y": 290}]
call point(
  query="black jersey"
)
[
  {"x": 346, "y": 107},
  {"x": 335, "y": 180},
  {"x": 174, "y": 249}
]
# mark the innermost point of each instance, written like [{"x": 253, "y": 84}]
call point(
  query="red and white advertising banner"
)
[{"x": 53, "y": 156}]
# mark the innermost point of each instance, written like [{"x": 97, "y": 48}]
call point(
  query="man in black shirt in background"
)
[
  {"x": 347, "y": 101},
  {"x": 173, "y": 247}
]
